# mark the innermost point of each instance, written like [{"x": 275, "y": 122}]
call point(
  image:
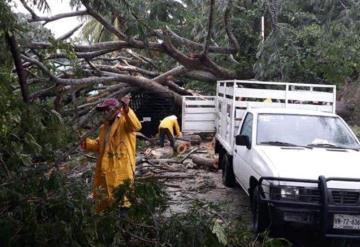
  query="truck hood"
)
[{"x": 311, "y": 163}]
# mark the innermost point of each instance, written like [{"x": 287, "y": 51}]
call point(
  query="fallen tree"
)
[{"x": 155, "y": 59}]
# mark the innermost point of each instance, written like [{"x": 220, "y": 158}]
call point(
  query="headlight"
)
[
  {"x": 285, "y": 193},
  {"x": 295, "y": 193},
  {"x": 290, "y": 193}
]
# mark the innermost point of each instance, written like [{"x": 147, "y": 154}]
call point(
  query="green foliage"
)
[
  {"x": 29, "y": 133},
  {"x": 26, "y": 31},
  {"x": 141, "y": 144},
  {"x": 41, "y": 209},
  {"x": 356, "y": 130},
  {"x": 313, "y": 42},
  {"x": 41, "y": 5},
  {"x": 193, "y": 229},
  {"x": 7, "y": 19},
  {"x": 139, "y": 18}
]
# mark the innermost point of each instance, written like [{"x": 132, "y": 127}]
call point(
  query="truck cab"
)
[
  {"x": 296, "y": 159},
  {"x": 290, "y": 162}
]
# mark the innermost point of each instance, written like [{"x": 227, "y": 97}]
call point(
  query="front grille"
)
[
  {"x": 345, "y": 197},
  {"x": 310, "y": 195}
]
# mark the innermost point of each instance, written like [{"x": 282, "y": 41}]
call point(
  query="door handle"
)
[{"x": 235, "y": 150}]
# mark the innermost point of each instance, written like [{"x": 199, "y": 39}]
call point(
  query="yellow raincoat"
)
[
  {"x": 116, "y": 149},
  {"x": 172, "y": 124}
]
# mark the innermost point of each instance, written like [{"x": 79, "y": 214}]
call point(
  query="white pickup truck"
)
[{"x": 284, "y": 145}]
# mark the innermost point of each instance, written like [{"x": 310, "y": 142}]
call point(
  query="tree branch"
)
[
  {"x": 107, "y": 25},
  {"x": 209, "y": 33},
  {"x": 198, "y": 62},
  {"x": 41, "y": 66},
  {"x": 178, "y": 55},
  {"x": 85, "y": 55},
  {"x": 42, "y": 92},
  {"x": 191, "y": 44},
  {"x": 175, "y": 87},
  {"x": 131, "y": 68},
  {"x": 18, "y": 65},
  {"x": 102, "y": 46},
  {"x": 115, "y": 45},
  {"x": 108, "y": 68},
  {"x": 48, "y": 19},
  {"x": 201, "y": 75},
  {"x": 137, "y": 81},
  {"x": 33, "y": 14},
  {"x": 217, "y": 70},
  {"x": 173, "y": 72},
  {"x": 70, "y": 33},
  {"x": 230, "y": 34}
]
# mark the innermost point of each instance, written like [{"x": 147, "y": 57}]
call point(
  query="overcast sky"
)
[{"x": 58, "y": 27}]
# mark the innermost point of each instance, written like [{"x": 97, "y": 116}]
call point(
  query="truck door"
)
[{"x": 242, "y": 155}]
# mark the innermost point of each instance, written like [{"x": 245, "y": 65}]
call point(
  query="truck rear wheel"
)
[
  {"x": 228, "y": 176},
  {"x": 260, "y": 216}
]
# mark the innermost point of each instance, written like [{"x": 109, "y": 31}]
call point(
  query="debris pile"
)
[{"x": 189, "y": 176}]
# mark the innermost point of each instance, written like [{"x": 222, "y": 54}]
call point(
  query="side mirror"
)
[{"x": 242, "y": 140}]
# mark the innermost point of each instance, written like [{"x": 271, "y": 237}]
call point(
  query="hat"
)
[{"x": 110, "y": 102}]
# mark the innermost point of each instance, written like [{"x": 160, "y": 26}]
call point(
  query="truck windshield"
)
[{"x": 304, "y": 130}]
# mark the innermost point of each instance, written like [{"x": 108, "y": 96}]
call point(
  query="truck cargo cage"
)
[{"x": 223, "y": 113}]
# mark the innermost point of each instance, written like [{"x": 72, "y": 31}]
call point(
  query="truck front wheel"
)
[
  {"x": 260, "y": 216},
  {"x": 228, "y": 176}
]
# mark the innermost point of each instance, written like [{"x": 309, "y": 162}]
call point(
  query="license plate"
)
[{"x": 347, "y": 222}]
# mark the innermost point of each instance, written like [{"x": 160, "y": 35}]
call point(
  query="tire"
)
[
  {"x": 260, "y": 215},
  {"x": 228, "y": 176},
  {"x": 221, "y": 152}
]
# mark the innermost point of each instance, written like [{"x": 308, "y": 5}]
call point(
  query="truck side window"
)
[{"x": 246, "y": 128}]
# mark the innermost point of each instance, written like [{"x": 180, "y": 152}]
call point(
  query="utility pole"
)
[{"x": 262, "y": 35}]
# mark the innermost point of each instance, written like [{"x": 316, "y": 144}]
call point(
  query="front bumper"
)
[{"x": 321, "y": 214}]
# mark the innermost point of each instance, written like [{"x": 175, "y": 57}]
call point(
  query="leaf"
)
[
  {"x": 34, "y": 146},
  {"x": 277, "y": 242},
  {"x": 25, "y": 159},
  {"x": 219, "y": 231},
  {"x": 58, "y": 116}
]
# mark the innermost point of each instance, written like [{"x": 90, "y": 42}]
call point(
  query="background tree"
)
[{"x": 312, "y": 42}]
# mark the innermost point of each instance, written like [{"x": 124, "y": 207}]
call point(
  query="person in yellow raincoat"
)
[
  {"x": 169, "y": 127},
  {"x": 116, "y": 149}
]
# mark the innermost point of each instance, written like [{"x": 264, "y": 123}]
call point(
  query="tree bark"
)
[
  {"x": 19, "y": 67},
  {"x": 193, "y": 139},
  {"x": 204, "y": 162},
  {"x": 181, "y": 146}
]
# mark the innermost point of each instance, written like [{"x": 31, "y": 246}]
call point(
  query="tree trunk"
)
[
  {"x": 18, "y": 65},
  {"x": 204, "y": 162},
  {"x": 181, "y": 146},
  {"x": 193, "y": 139}
]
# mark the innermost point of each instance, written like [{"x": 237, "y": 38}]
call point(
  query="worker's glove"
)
[
  {"x": 83, "y": 144},
  {"x": 125, "y": 103}
]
